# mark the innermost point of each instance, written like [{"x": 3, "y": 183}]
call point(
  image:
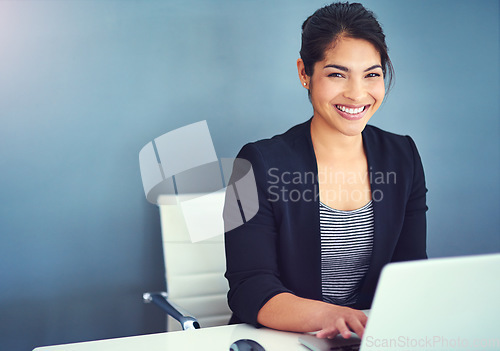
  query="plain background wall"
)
[{"x": 85, "y": 84}]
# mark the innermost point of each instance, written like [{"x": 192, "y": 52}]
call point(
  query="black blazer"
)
[{"x": 278, "y": 250}]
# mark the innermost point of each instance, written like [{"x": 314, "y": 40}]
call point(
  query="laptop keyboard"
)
[
  {"x": 345, "y": 348},
  {"x": 336, "y": 344}
]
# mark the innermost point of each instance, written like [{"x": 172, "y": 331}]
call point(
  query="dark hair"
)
[{"x": 342, "y": 20}]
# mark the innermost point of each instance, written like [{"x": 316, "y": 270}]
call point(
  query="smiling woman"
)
[
  {"x": 346, "y": 87},
  {"x": 310, "y": 263}
]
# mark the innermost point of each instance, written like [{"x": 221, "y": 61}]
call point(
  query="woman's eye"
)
[
  {"x": 372, "y": 75},
  {"x": 335, "y": 75}
]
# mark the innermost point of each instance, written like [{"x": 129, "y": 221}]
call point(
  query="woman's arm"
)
[
  {"x": 252, "y": 268},
  {"x": 286, "y": 311}
]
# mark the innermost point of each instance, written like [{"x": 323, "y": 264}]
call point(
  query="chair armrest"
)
[{"x": 161, "y": 300}]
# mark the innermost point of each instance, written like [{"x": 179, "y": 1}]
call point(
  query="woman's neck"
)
[{"x": 330, "y": 144}]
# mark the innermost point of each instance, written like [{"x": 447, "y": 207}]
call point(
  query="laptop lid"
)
[{"x": 436, "y": 304}]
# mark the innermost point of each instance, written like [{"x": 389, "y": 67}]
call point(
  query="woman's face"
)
[{"x": 347, "y": 87}]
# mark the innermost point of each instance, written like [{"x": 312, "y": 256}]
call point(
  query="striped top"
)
[{"x": 346, "y": 248}]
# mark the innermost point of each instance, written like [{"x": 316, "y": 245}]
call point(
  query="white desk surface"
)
[{"x": 215, "y": 338}]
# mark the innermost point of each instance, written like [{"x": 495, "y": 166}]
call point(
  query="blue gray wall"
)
[{"x": 85, "y": 84}]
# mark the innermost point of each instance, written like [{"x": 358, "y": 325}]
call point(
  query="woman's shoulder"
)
[
  {"x": 389, "y": 148},
  {"x": 377, "y": 137},
  {"x": 373, "y": 131}
]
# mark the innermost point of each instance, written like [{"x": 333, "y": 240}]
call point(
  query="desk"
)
[{"x": 207, "y": 339}]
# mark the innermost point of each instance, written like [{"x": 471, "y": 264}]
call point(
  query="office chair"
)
[{"x": 182, "y": 175}]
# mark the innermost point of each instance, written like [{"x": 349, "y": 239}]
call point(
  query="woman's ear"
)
[{"x": 301, "y": 69}]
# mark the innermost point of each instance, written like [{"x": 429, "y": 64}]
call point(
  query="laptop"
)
[{"x": 436, "y": 304}]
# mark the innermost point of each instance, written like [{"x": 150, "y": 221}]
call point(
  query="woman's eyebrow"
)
[
  {"x": 373, "y": 67},
  {"x": 345, "y": 69},
  {"x": 342, "y": 68}
]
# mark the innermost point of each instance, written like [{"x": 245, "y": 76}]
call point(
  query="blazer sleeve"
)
[
  {"x": 251, "y": 248},
  {"x": 411, "y": 244}
]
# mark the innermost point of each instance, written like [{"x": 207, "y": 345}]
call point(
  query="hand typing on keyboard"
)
[
  {"x": 342, "y": 320},
  {"x": 286, "y": 311}
]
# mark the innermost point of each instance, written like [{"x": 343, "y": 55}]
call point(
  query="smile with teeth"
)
[{"x": 352, "y": 111}]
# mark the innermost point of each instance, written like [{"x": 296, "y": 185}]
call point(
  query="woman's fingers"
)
[
  {"x": 343, "y": 329},
  {"x": 329, "y": 333},
  {"x": 357, "y": 326},
  {"x": 344, "y": 324}
]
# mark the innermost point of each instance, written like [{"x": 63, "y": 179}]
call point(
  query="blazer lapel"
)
[{"x": 380, "y": 191}]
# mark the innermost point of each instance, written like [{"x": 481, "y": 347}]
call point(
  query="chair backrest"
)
[
  {"x": 181, "y": 174},
  {"x": 193, "y": 243}
]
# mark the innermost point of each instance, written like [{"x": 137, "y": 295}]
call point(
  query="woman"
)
[{"x": 337, "y": 199}]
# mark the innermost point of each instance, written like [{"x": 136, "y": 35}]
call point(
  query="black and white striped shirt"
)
[{"x": 346, "y": 248}]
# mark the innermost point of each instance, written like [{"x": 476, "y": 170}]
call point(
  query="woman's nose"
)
[{"x": 354, "y": 90}]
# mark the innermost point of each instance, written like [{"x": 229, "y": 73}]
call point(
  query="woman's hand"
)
[
  {"x": 342, "y": 320},
  {"x": 288, "y": 312}
]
